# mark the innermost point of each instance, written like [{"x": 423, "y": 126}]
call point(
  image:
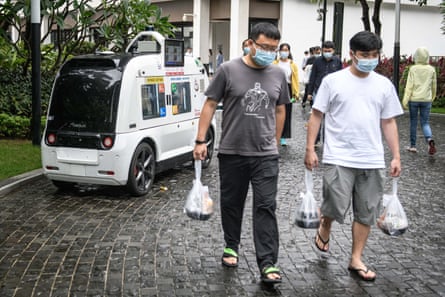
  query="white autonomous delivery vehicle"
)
[{"x": 118, "y": 119}]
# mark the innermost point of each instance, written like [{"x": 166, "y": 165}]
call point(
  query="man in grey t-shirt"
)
[{"x": 253, "y": 93}]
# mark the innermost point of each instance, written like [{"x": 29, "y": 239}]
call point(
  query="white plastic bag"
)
[
  {"x": 393, "y": 220},
  {"x": 199, "y": 205},
  {"x": 308, "y": 215}
]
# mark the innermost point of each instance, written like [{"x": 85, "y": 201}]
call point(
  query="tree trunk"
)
[
  {"x": 376, "y": 17},
  {"x": 365, "y": 15}
]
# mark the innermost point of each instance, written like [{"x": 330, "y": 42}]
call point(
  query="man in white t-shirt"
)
[{"x": 358, "y": 105}]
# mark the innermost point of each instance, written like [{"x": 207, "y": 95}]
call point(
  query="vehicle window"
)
[
  {"x": 85, "y": 100},
  {"x": 181, "y": 97},
  {"x": 153, "y": 101}
]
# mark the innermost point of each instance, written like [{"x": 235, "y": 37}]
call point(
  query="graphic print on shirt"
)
[{"x": 255, "y": 101}]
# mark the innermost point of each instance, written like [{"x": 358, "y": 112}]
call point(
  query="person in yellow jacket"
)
[
  {"x": 290, "y": 68},
  {"x": 420, "y": 92}
]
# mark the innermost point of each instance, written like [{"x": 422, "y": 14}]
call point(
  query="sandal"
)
[
  {"x": 431, "y": 147},
  {"x": 361, "y": 273},
  {"x": 270, "y": 270},
  {"x": 229, "y": 253},
  {"x": 325, "y": 243}
]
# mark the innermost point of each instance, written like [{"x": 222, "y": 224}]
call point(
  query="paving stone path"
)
[{"x": 99, "y": 241}]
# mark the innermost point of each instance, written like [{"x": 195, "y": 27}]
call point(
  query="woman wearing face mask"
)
[{"x": 290, "y": 69}]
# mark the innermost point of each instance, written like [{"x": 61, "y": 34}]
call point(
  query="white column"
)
[
  {"x": 201, "y": 29},
  {"x": 239, "y": 26}
]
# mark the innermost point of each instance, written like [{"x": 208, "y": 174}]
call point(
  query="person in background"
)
[
  {"x": 327, "y": 63},
  {"x": 420, "y": 92},
  {"x": 219, "y": 59},
  {"x": 245, "y": 47},
  {"x": 305, "y": 57},
  {"x": 314, "y": 52},
  {"x": 189, "y": 52},
  {"x": 210, "y": 62},
  {"x": 286, "y": 63},
  {"x": 353, "y": 153},
  {"x": 254, "y": 94}
]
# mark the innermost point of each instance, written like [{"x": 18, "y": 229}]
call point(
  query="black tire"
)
[
  {"x": 210, "y": 140},
  {"x": 142, "y": 170},
  {"x": 63, "y": 185}
]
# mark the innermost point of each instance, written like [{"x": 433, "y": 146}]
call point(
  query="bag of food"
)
[
  {"x": 393, "y": 220},
  {"x": 199, "y": 205},
  {"x": 308, "y": 214}
]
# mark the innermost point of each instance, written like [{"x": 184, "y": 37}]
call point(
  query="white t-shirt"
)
[
  {"x": 354, "y": 108},
  {"x": 286, "y": 68}
]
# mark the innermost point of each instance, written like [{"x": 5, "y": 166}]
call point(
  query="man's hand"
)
[
  {"x": 311, "y": 159},
  {"x": 396, "y": 168},
  {"x": 200, "y": 151}
]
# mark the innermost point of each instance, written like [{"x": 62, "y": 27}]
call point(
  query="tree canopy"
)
[{"x": 72, "y": 23}]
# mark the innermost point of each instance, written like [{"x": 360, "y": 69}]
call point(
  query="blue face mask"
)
[
  {"x": 263, "y": 58},
  {"x": 366, "y": 65},
  {"x": 284, "y": 55},
  {"x": 327, "y": 55},
  {"x": 246, "y": 50}
]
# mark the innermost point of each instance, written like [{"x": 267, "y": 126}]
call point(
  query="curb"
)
[{"x": 14, "y": 182}]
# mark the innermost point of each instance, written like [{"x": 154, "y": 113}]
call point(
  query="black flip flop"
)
[
  {"x": 357, "y": 271},
  {"x": 324, "y": 242}
]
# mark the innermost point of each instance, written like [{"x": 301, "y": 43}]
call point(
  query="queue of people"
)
[{"x": 257, "y": 97}]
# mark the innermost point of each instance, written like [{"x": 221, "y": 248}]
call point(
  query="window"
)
[
  {"x": 181, "y": 97},
  {"x": 60, "y": 36},
  {"x": 153, "y": 101}
]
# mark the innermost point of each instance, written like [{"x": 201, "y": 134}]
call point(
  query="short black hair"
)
[
  {"x": 267, "y": 29},
  {"x": 365, "y": 41},
  {"x": 328, "y": 44}
]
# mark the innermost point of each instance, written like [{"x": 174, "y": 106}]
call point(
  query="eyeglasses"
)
[{"x": 266, "y": 47}]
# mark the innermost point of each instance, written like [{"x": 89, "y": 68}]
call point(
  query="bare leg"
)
[
  {"x": 360, "y": 234},
  {"x": 322, "y": 238}
]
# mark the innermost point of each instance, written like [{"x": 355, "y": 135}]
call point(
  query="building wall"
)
[{"x": 420, "y": 26}]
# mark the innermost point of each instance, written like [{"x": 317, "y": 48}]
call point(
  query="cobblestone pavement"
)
[{"x": 99, "y": 241}]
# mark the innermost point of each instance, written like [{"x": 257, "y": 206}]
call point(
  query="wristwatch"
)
[{"x": 200, "y": 141}]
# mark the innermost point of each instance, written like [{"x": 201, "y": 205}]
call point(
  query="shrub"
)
[
  {"x": 17, "y": 126},
  {"x": 386, "y": 68}
]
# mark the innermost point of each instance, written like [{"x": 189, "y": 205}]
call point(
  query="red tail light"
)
[
  {"x": 51, "y": 138},
  {"x": 107, "y": 142}
]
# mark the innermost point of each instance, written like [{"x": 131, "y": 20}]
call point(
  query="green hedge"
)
[
  {"x": 13, "y": 126},
  {"x": 16, "y": 92}
]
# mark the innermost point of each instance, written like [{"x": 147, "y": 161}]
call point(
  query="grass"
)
[
  {"x": 18, "y": 156},
  {"x": 440, "y": 110}
]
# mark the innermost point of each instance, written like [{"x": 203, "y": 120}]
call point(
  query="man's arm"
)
[
  {"x": 200, "y": 150},
  {"x": 280, "y": 115},
  {"x": 389, "y": 128},
  {"x": 311, "y": 158}
]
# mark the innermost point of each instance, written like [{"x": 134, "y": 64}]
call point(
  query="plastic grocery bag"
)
[
  {"x": 393, "y": 220},
  {"x": 308, "y": 215},
  {"x": 199, "y": 205}
]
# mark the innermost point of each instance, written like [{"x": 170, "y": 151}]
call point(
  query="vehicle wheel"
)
[
  {"x": 63, "y": 185},
  {"x": 142, "y": 170},
  {"x": 210, "y": 140}
]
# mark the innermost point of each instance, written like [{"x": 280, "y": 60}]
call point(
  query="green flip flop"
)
[
  {"x": 270, "y": 270},
  {"x": 228, "y": 252}
]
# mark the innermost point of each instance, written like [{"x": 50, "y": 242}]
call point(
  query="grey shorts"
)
[{"x": 362, "y": 187}]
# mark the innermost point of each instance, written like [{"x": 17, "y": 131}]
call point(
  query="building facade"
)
[{"x": 224, "y": 24}]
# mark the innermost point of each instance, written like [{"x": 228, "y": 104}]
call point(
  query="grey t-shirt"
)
[{"x": 249, "y": 97}]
